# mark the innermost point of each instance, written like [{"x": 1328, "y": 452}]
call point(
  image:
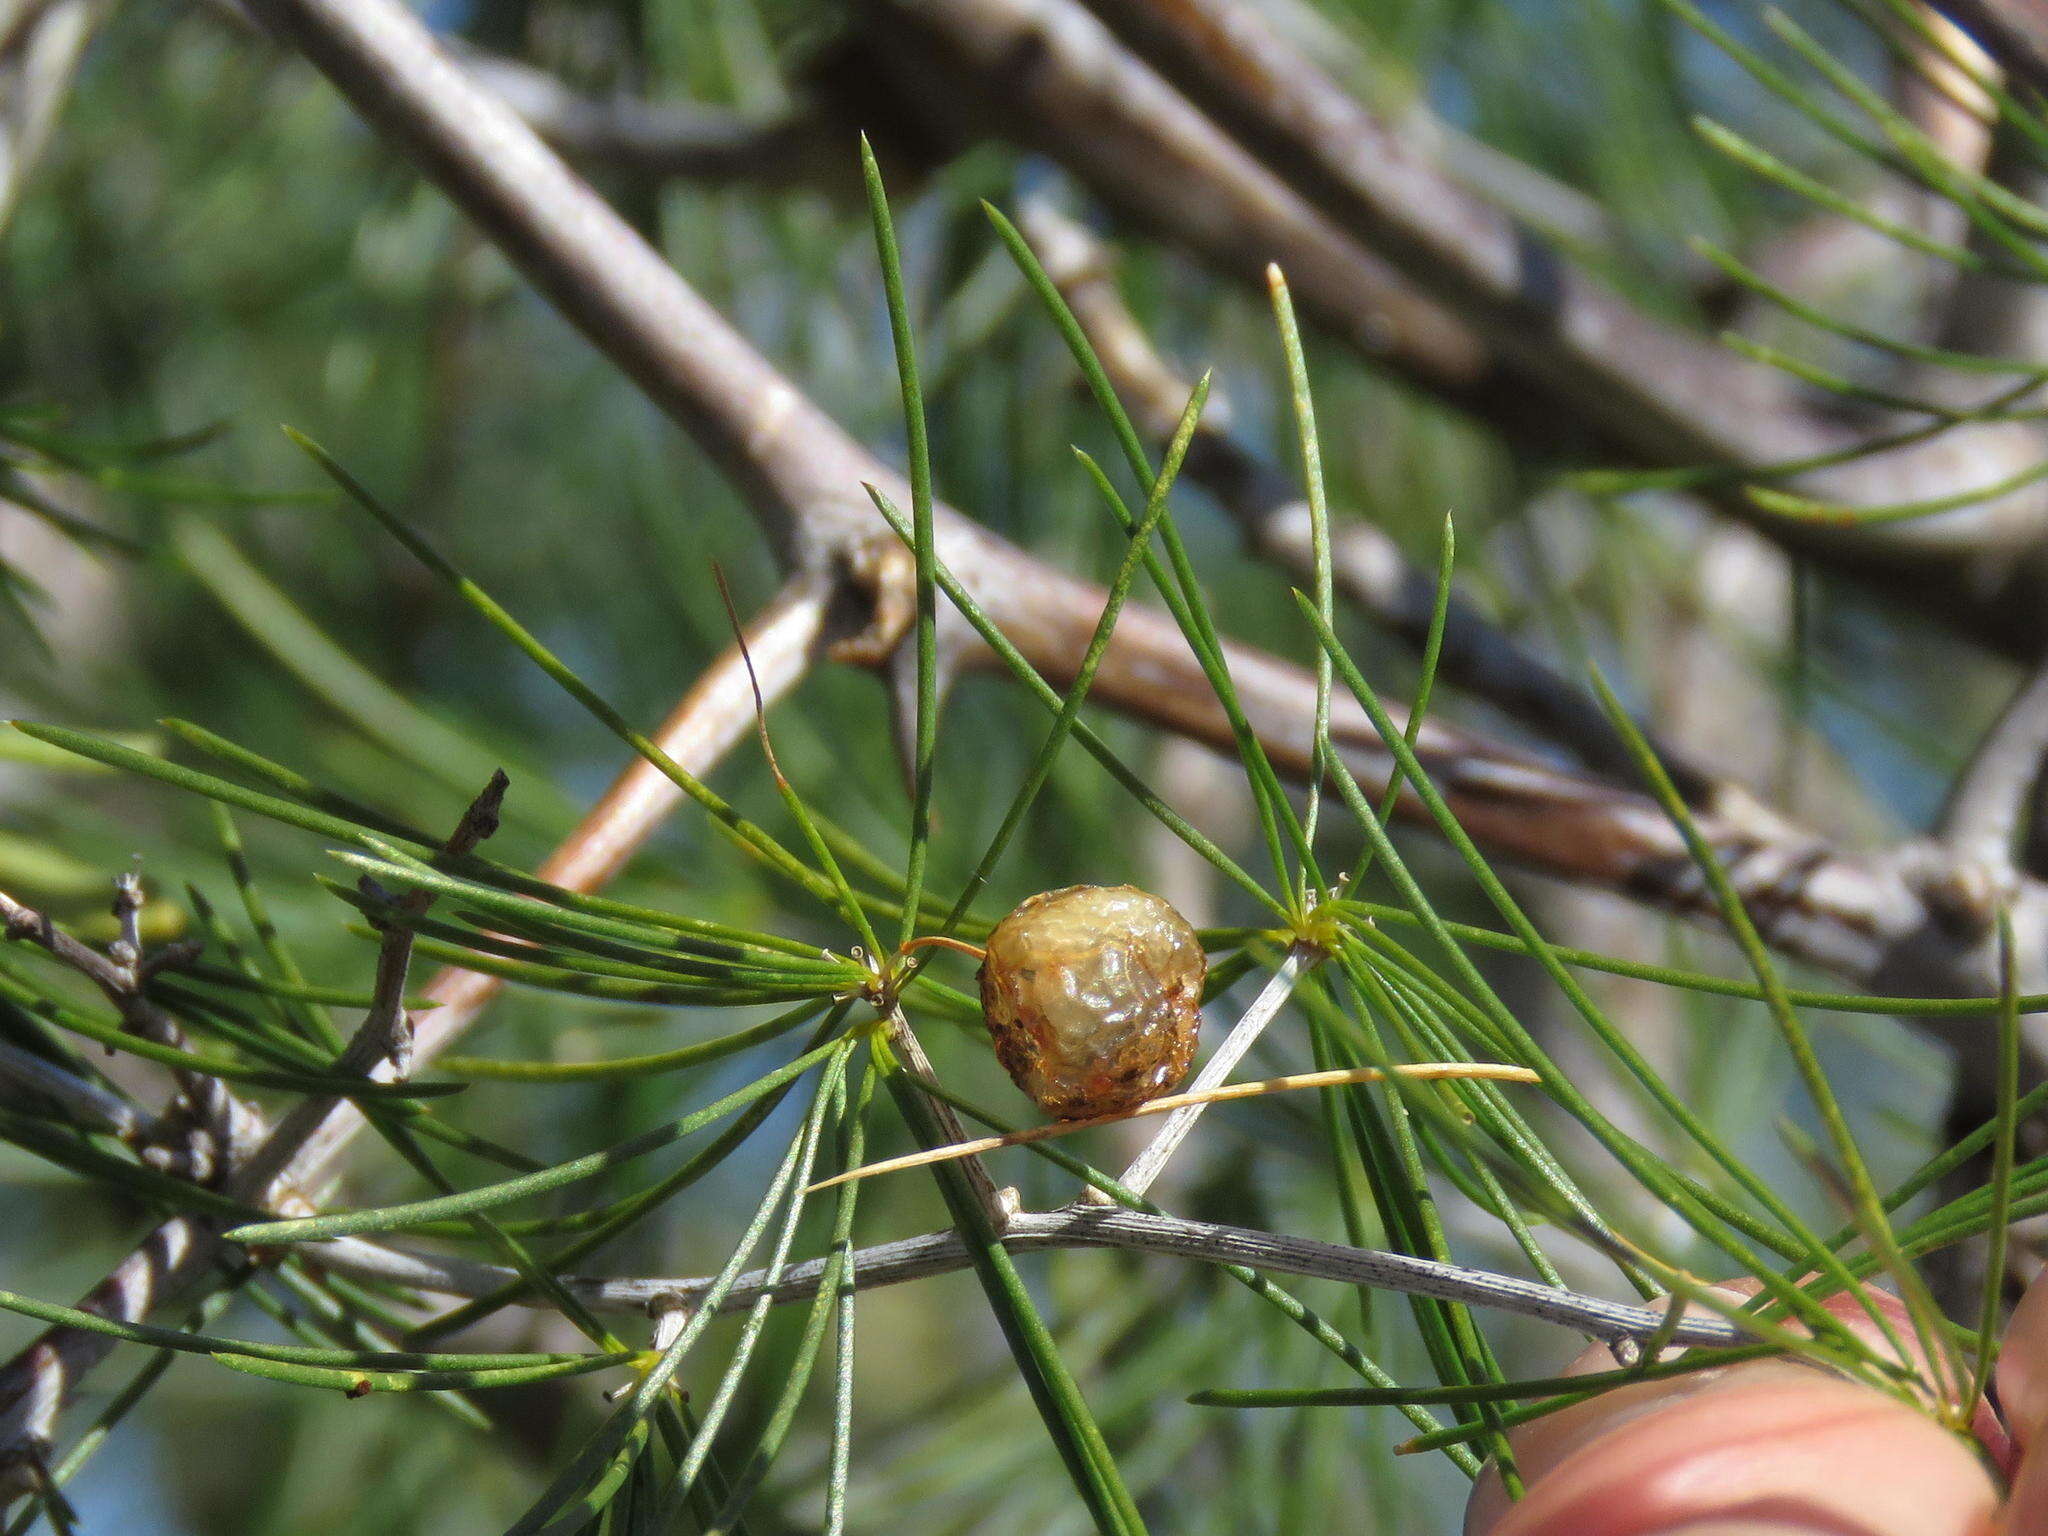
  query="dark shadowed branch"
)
[{"x": 641, "y": 138}]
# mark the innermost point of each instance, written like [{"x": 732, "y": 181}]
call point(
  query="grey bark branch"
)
[
  {"x": 39, "y": 1381},
  {"x": 383, "y": 1044},
  {"x": 86, "y": 1102},
  {"x": 36, "y": 1384},
  {"x": 1367, "y": 565},
  {"x": 1425, "y": 279},
  {"x": 1669, "y": 394},
  {"x": 222, "y": 1126},
  {"x": 1985, "y": 812},
  {"x": 1046, "y": 74},
  {"x": 1074, "y": 1226},
  {"x": 203, "y": 1138}
]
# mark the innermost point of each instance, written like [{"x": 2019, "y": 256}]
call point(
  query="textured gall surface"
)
[{"x": 1093, "y": 998}]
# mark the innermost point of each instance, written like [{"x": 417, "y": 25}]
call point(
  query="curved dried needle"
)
[{"x": 1426, "y": 1071}]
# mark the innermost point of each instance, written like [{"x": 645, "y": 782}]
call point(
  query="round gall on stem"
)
[{"x": 1093, "y": 998}]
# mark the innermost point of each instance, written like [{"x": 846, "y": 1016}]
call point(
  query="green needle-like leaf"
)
[{"x": 389, "y": 1218}]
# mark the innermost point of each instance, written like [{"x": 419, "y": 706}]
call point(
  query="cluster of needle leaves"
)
[{"x": 799, "y": 1048}]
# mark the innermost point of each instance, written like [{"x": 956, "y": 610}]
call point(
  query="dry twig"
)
[
  {"x": 1074, "y": 1226},
  {"x": 209, "y": 1126}
]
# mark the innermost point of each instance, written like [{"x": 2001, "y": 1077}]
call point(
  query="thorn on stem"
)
[{"x": 480, "y": 821}]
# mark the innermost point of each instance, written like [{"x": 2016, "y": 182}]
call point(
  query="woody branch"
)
[
  {"x": 1870, "y": 917},
  {"x": 1192, "y": 120}
]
